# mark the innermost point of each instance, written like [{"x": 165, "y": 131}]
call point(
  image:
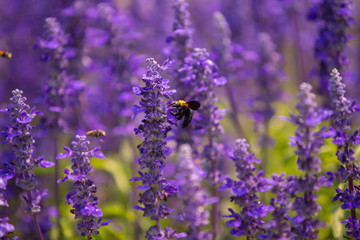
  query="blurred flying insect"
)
[
  {"x": 185, "y": 109},
  {"x": 96, "y": 133},
  {"x": 140, "y": 145},
  {"x": 5, "y": 54}
]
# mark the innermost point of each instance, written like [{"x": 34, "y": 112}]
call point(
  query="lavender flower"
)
[
  {"x": 61, "y": 90},
  {"x": 336, "y": 18},
  {"x": 83, "y": 195},
  {"x": 153, "y": 150},
  {"x": 345, "y": 140},
  {"x": 194, "y": 196},
  {"x": 248, "y": 221},
  {"x": 308, "y": 141}
]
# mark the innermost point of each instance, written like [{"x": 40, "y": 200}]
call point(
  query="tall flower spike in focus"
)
[
  {"x": 336, "y": 19},
  {"x": 194, "y": 196},
  {"x": 346, "y": 141},
  {"x": 5, "y": 227},
  {"x": 248, "y": 222},
  {"x": 20, "y": 136},
  {"x": 279, "y": 226},
  {"x": 308, "y": 139},
  {"x": 201, "y": 76},
  {"x": 83, "y": 196},
  {"x": 153, "y": 150}
]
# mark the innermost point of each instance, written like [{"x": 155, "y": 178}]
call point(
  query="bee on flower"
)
[{"x": 185, "y": 109}]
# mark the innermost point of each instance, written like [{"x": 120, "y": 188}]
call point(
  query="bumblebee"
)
[
  {"x": 185, "y": 109},
  {"x": 96, "y": 133},
  {"x": 5, "y": 54}
]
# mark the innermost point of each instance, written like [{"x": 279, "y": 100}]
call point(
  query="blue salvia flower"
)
[
  {"x": 248, "y": 222},
  {"x": 5, "y": 227},
  {"x": 308, "y": 140},
  {"x": 182, "y": 31},
  {"x": 5, "y": 175},
  {"x": 270, "y": 16},
  {"x": 83, "y": 196},
  {"x": 181, "y": 37},
  {"x": 55, "y": 45},
  {"x": 153, "y": 150},
  {"x": 19, "y": 135},
  {"x": 336, "y": 19},
  {"x": 349, "y": 170},
  {"x": 61, "y": 90},
  {"x": 113, "y": 68},
  {"x": 268, "y": 77},
  {"x": 202, "y": 77},
  {"x": 194, "y": 196},
  {"x": 279, "y": 226},
  {"x": 231, "y": 65},
  {"x": 223, "y": 47}
]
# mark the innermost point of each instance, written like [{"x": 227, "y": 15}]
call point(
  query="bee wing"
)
[{"x": 194, "y": 105}]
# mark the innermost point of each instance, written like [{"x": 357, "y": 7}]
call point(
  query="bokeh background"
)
[{"x": 109, "y": 59}]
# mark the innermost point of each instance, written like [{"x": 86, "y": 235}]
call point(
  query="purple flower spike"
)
[
  {"x": 83, "y": 195},
  {"x": 269, "y": 78},
  {"x": 61, "y": 90},
  {"x": 153, "y": 150},
  {"x": 336, "y": 19},
  {"x": 248, "y": 221},
  {"x": 182, "y": 31},
  {"x": 279, "y": 225},
  {"x": 195, "y": 197},
  {"x": 202, "y": 76},
  {"x": 308, "y": 141},
  {"x": 19, "y": 134},
  {"x": 5, "y": 227},
  {"x": 22, "y": 167},
  {"x": 346, "y": 141}
]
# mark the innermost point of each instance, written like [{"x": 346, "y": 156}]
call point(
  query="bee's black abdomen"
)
[{"x": 187, "y": 117}]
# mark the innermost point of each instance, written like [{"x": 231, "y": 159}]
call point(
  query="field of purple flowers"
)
[{"x": 179, "y": 119}]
